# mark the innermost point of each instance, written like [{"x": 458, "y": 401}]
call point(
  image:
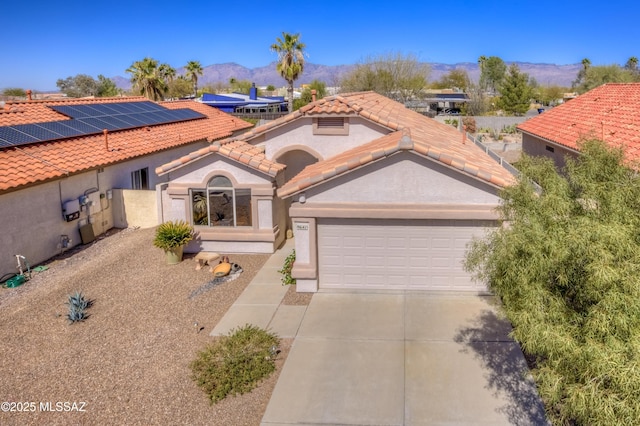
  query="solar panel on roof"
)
[
  {"x": 94, "y": 110},
  {"x": 85, "y": 128},
  {"x": 64, "y": 109},
  {"x": 37, "y": 132},
  {"x": 100, "y": 123},
  {"x": 91, "y": 119},
  {"x": 165, "y": 115},
  {"x": 103, "y": 109},
  {"x": 131, "y": 120},
  {"x": 60, "y": 128},
  {"x": 117, "y": 120},
  {"x": 148, "y": 117},
  {"x": 147, "y": 106},
  {"x": 121, "y": 108},
  {"x": 15, "y": 137}
]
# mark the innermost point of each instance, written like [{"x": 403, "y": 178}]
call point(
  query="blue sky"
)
[{"x": 47, "y": 40}]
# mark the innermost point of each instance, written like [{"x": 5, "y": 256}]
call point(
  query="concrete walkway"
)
[
  {"x": 364, "y": 358},
  {"x": 260, "y": 302}
]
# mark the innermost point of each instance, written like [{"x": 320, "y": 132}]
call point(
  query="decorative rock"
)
[{"x": 205, "y": 258}]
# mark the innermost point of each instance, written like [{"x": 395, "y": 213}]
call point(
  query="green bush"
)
[
  {"x": 235, "y": 363},
  {"x": 451, "y": 121},
  {"x": 509, "y": 129},
  {"x": 287, "y": 279}
]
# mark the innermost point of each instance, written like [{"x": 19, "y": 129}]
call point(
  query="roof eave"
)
[{"x": 558, "y": 144}]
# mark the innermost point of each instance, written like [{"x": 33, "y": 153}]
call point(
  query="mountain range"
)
[{"x": 545, "y": 74}]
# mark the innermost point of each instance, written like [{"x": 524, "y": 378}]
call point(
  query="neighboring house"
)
[
  {"x": 247, "y": 104},
  {"x": 64, "y": 180},
  {"x": 378, "y": 196},
  {"x": 610, "y": 113}
]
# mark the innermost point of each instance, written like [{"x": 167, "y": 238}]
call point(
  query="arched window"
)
[{"x": 221, "y": 204}]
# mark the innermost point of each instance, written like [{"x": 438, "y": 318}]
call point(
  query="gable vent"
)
[{"x": 330, "y": 122}]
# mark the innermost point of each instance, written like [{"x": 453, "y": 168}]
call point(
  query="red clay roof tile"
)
[
  {"x": 610, "y": 112},
  {"x": 424, "y": 136}
]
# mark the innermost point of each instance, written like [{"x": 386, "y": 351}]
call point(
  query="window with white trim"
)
[{"x": 220, "y": 204}]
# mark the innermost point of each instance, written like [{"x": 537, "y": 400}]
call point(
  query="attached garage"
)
[{"x": 396, "y": 254}]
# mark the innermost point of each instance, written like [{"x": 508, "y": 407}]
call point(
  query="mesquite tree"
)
[{"x": 566, "y": 266}]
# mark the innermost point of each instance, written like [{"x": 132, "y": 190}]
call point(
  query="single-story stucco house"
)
[
  {"x": 610, "y": 113},
  {"x": 64, "y": 179},
  {"x": 377, "y": 196}
]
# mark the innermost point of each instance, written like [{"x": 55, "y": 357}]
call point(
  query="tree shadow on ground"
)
[{"x": 505, "y": 367}]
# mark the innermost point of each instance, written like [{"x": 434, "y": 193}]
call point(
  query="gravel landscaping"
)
[{"x": 128, "y": 363}]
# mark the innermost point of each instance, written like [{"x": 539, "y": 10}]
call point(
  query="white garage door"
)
[{"x": 401, "y": 254}]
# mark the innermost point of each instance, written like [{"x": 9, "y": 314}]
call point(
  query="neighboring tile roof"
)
[
  {"x": 610, "y": 112},
  {"x": 29, "y": 164},
  {"x": 442, "y": 141}
]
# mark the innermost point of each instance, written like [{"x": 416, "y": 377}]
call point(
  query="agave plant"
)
[{"x": 77, "y": 307}]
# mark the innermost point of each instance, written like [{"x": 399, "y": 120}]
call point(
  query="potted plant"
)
[{"x": 171, "y": 237}]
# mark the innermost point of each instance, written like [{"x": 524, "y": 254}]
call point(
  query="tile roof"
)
[
  {"x": 442, "y": 141},
  {"x": 610, "y": 112},
  {"x": 388, "y": 145},
  {"x": 242, "y": 152},
  {"x": 414, "y": 132},
  {"x": 35, "y": 163}
]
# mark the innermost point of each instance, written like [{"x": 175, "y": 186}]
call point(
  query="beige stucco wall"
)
[
  {"x": 32, "y": 220},
  {"x": 33, "y": 223},
  {"x": 405, "y": 178},
  {"x": 134, "y": 208},
  {"x": 537, "y": 147},
  {"x": 300, "y": 132}
]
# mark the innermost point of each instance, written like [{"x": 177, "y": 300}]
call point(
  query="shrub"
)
[
  {"x": 509, "y": 129},
  {"x": 235, "y": 363},
  {"x": 451, "y": 121},
  {"x": 470, "y": 124},
  {"x": 286, "y": 269}
]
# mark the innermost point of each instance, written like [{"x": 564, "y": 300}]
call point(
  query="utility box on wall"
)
[
  {"x": 94, "y": 201},
  {"x": 71, "y": 210}
]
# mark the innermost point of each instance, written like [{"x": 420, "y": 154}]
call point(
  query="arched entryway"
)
[{"x": 296, "y": 159}]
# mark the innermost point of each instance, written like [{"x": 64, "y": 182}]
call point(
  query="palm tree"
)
[
  {"x": 586, "y": 63},
  {"x": 194, "y": 69},
  {"x": 482, "y": 61},
  {"x": 290, "y": 60},
  {"x": 146, "y": 78},
  {"x": 166, "y": 73},
  {"x": 632, "y": 64}
]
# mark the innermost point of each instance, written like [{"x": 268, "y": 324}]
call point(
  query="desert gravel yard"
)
[{"x": 128, "y": 363}]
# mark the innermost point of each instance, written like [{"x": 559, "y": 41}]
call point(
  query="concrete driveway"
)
[{"x": 403, "y": 359}]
